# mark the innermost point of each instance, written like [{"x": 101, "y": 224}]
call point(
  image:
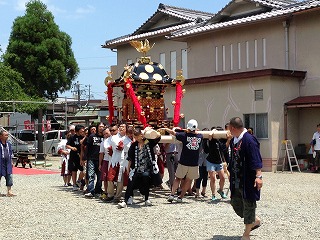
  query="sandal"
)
[
  {"x": 256, "y": 226},
  {"x": 11, "y": 195},
  {"x": 203, "y": 194}
]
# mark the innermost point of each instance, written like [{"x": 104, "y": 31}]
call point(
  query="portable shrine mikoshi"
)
[{"x": 143, "y": 85}]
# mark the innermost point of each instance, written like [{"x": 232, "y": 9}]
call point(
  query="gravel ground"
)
[{"x": 44, "y": 209}]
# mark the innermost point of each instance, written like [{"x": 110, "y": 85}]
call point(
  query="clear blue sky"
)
[{"x": 90, "y": 23}]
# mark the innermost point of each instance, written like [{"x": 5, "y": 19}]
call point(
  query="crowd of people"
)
[{"x": 103, "y": 160}]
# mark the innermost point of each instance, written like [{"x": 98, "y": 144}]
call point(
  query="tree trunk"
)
[{"x": 40, "y": 154}]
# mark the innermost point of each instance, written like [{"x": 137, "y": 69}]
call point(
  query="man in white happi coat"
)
[{"x": 120, "y": 144}]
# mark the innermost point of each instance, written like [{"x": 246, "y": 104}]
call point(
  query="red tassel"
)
[
  {"x": 179, "y": 94},
  {"x": 110, "y": 101},
  {"x": 136, "y": 104}
]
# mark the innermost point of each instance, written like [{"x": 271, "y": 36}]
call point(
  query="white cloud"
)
[
  {"x": 55, "y": 10},
  {"x": 85, "y": 10},
  {"x": 21, "y": 4}
]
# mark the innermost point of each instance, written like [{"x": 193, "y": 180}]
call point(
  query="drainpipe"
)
[
  {"x": 285, "y": 122},
  {"x": 286, "y": 25}
]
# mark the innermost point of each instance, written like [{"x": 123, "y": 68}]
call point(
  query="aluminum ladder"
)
[{"x": 289, "y": 155}]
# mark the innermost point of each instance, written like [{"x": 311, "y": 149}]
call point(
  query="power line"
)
[{"x": 93, "y": 68}]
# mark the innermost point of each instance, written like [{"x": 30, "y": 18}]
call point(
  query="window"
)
[
  {"x": 258, "y": 94},
  {"x": 231, "y": 57},
  {"x": 129, "y": 61},
  {"x": 173, "y": 64},
  {"x": 264, "y": 52},
  {"x": 184, "y": 62},
  {"x": 259, "y": 123},
  {"x": 247, "y": 54},
  {"x": 255, "y": 53},
  {"x": 239, "y": 56},
  {"x": 217, "y": 59},
  {"x": 223, "y": 58},
  {"x": 163, "y": 59}
]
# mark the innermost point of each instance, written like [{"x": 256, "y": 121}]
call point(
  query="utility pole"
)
[
  {"x": 89, "y": 92},
  {"x": 66, "y": 114},
  {"x": 78, "y": 92}
]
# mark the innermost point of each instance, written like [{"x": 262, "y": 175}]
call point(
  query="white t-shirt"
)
[
  {"x": 119, "y": 156},
  {"x": 104, "y": 148},
  {"x": 316, "y": 136}
]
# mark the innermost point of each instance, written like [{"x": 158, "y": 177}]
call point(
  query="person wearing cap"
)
[
  {"x": 245, "y": 175},
  {"x": 188, "y": 163}
]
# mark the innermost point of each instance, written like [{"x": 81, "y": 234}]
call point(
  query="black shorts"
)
[{"x": 74, "y": 165}]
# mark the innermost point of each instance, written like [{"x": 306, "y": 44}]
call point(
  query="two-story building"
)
[{"x": 256, "y": 59}]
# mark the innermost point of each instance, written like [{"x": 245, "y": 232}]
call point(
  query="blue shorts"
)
[{"x": 214, "y": 167}]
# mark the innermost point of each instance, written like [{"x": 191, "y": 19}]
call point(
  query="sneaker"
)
[
  {"x": 122, "y": 205},
  {"x": 148, "y": 203},
  {"x": 130, "y": 201},
  {"x": 75, "y": 188},
  {"x": 109, "y": 199},
  {"x": 65, "y": 185},
  {"x": 103, "y": 196},
  {"x": 213, "y": 198},
  {"x": 222, "y": 194},
  {"x": 79, "y": 183},
  {"x": 179, "y": 200},
  {"x": 89, "y": 195},
  {"x": 170, "y": 198},
  {"x": 69, "y": 184}
]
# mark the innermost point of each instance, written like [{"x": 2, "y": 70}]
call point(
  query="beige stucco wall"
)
[
  {"x": 202, "y": 55},
  {"x": 305, "y": 50},
  {"x": 308, "y": 121},
  {"x": 282, "y": 91}
]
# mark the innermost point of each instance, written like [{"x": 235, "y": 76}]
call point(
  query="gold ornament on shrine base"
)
[
  {"x": 180, "y": 77},
  {"x": 108, "y": 78}
]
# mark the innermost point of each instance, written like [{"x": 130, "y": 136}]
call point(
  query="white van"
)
[{"x": 54, "y": 140}]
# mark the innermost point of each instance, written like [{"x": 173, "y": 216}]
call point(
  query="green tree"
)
[
  {"x": 41, "y": 53},
  {"x": 11, "y": 90}
]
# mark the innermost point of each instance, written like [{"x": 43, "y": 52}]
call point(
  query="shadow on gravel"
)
[{"x": 220, "y": 237}]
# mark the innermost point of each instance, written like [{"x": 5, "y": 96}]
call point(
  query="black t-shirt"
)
[
  {"x": 74, "y": 141},
  {"x": 93, "y": 146},
  {"x": 214, "y": 148},
  {"x": 191, "y": 148}
]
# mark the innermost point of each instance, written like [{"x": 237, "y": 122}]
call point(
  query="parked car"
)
[
  {"x": 27, "y": 136},
  {"x": 54, "y": 140}
]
